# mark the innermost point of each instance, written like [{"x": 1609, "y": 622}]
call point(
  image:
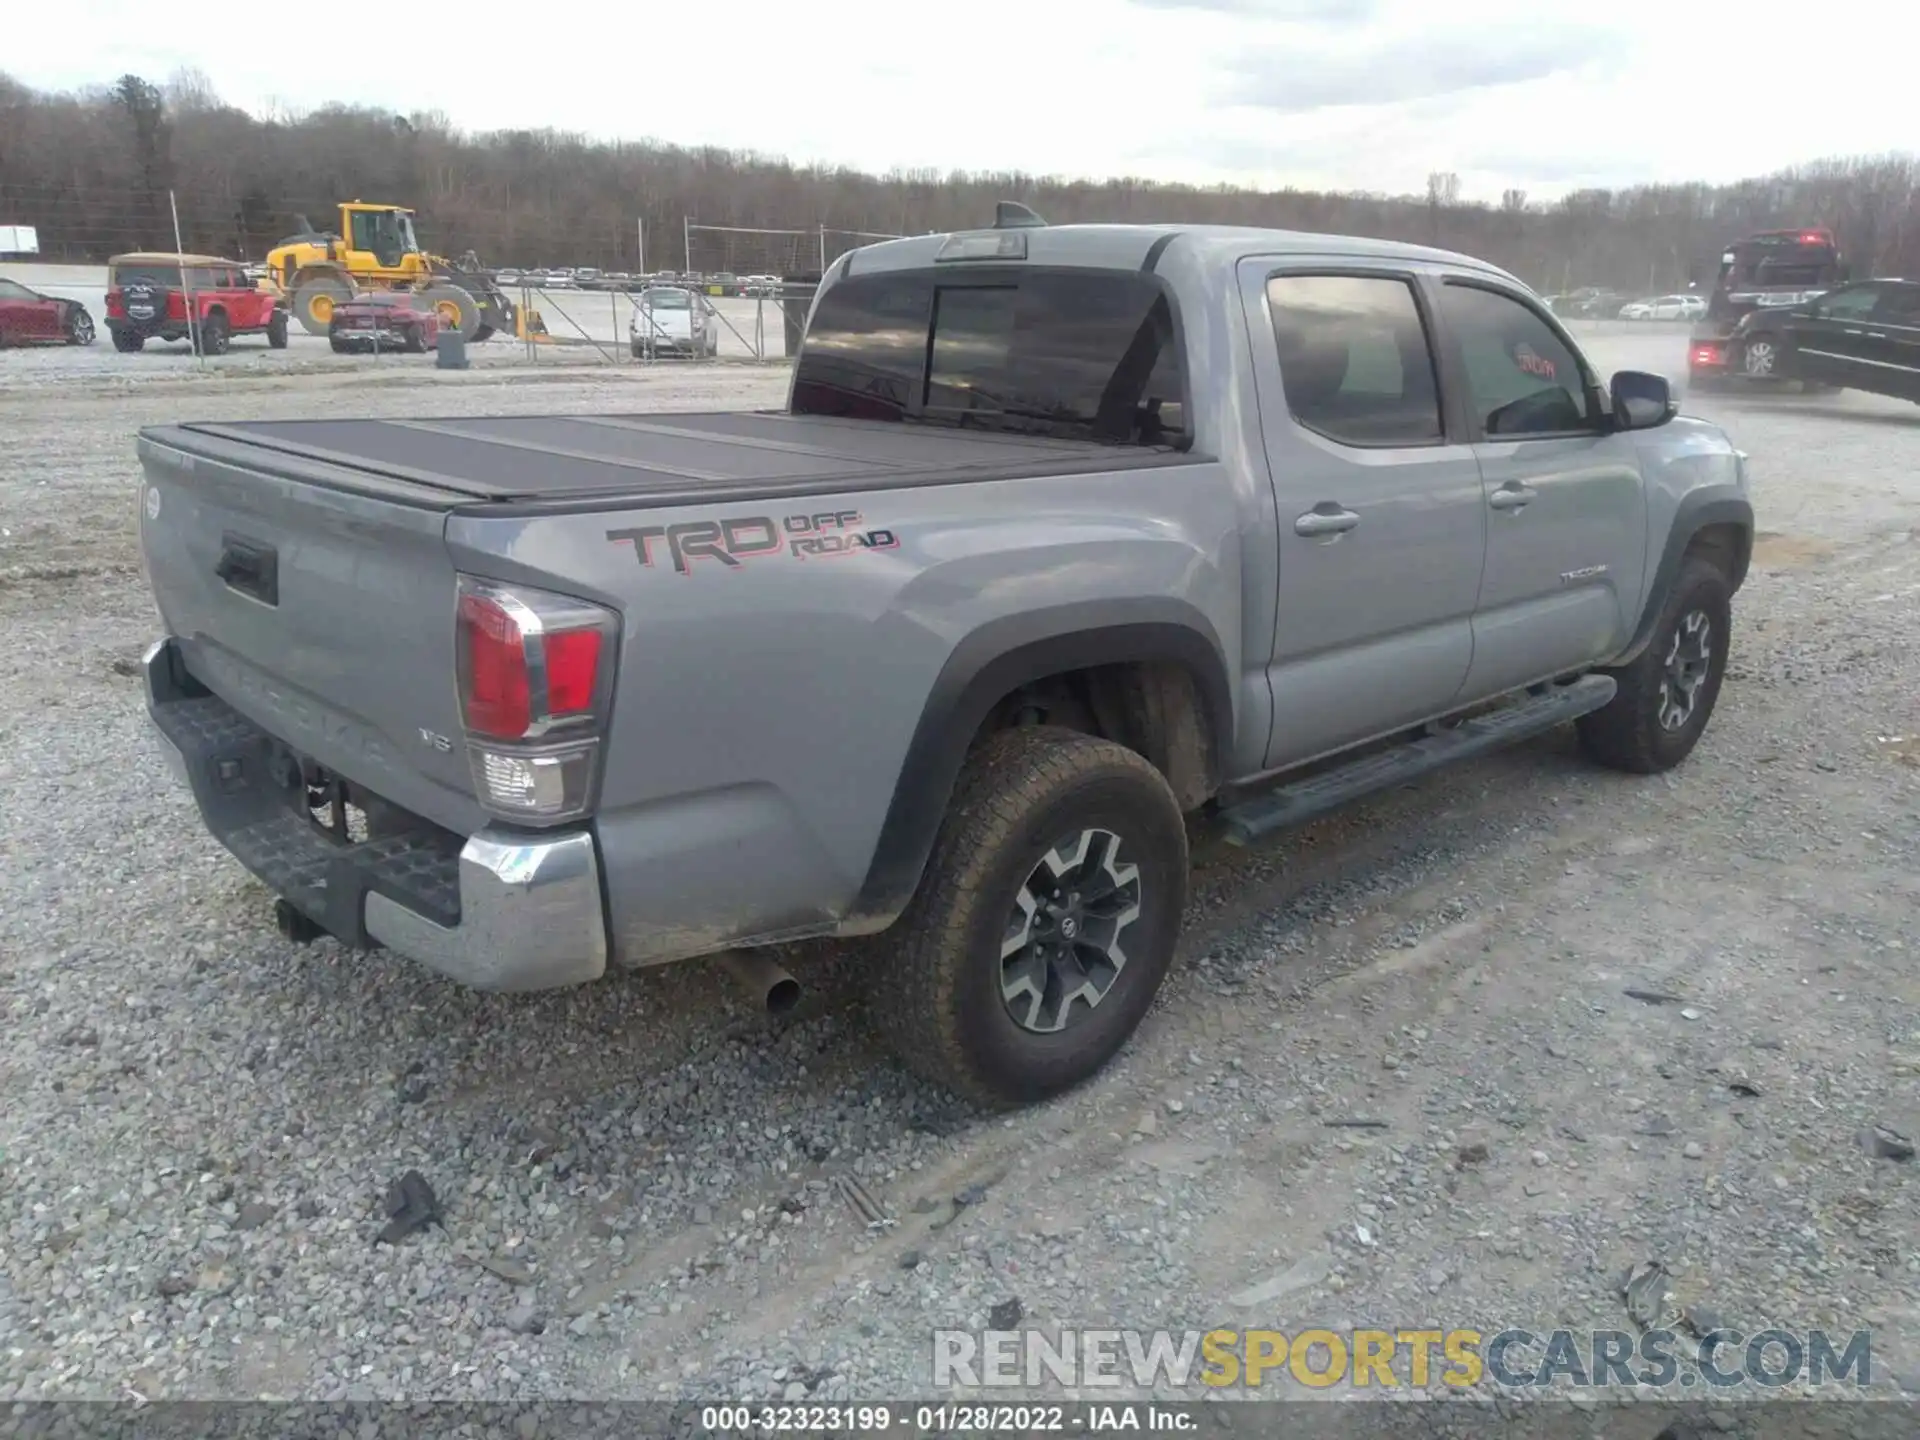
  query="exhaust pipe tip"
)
[
  {"x": 783, "y": 995},
  {"x": 772, "y": 987}
]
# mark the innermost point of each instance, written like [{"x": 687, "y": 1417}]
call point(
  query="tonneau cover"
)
[{"x": 651, "y": 458}]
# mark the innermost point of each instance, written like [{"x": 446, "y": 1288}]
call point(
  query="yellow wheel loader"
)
[{"x": 375, "y": 249}]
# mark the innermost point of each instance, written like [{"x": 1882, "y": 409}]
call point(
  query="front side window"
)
[
  {"x": 1854, "y": 304},
  {"x": 1083, "y": 354},
  {"x": 1355, "y": 361},
  {"x": 1522, "y": 377},
  {"x": 11, "y": 291},
  {"x": 1900, "y": 305}
]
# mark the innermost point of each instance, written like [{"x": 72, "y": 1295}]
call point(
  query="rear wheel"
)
[
  {"x": 339, "y": 346},
  {"x": 127, "y": 341},
  {"x": 455, "y": 307},
  {"x": 1667, "y": 694},
  {"x": 213, "y": 336},
  {"x": 314, "y": 301},
  {"x": 277, "y": 330},
  {"x": 1760, "y": 358},
  {"x": 1045, "y": 921}
]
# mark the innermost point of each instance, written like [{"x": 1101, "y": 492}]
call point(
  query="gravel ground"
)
[{"x": 642, "y": 1183}]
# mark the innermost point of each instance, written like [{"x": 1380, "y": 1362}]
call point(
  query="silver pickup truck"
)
[{"x": 1066, "y": 534}]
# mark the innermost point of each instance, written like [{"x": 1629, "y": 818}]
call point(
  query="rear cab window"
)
[
  {"x": 1356, "y": 362},
  {"x": 1079, "y": 354},
  {"x": 167, "y": 276},
  {"x": 1522, "y": 379}
]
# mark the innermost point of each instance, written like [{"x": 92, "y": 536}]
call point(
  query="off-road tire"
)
[
  {"x": 277, "y": 330},
  {"x": 214, "y": 335},
  {"x": 456, "y": 299},
  {"x": 485, "y": 332},
  {"x": 337, "y": 291},
  {"x": 127, "y": 342},
  {"x": 935, "y": 985},
  {"x": 1626, "y": 733}
]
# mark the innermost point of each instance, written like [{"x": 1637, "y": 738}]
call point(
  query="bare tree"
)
[{"x": 91, "y": 171}]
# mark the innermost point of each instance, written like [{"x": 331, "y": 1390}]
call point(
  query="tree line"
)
[{"x": 103, "y": 170}]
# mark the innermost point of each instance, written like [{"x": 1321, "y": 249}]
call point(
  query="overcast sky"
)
[{"x": 1350, "y": 94}]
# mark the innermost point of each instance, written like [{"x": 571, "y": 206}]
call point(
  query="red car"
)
[
  {"x": 29, "y": 318},
  {"x": 384, "y": 320},
  {"x": 151, "y": 296}
]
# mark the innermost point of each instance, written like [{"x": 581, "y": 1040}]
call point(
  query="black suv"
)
[{"x": 1863, "y": 336}]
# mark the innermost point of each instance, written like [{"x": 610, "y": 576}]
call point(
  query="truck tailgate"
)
[{"x": 323, "y": 615}]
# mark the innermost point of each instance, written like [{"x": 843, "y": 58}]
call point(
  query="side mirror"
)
[{"x": 1642, "y": 401}]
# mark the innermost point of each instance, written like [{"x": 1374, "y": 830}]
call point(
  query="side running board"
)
[{"x": 1289, "y": 805}]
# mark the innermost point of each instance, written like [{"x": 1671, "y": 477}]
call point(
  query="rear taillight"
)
[
  {"x": 536, "y": 683},
  {"x": 116, "y": 305},
  {"x": 1706, "y": 355}
]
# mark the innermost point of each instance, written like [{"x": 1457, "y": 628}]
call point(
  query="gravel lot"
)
[{"x": 198, "y": 1121}]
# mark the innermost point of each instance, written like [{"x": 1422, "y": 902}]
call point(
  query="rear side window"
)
[
  {"x": 1852, "y": 304},
  {"x": 1522, "y": 377},
  {"x": 1355, "y": 361},
  {"x": 1082, "y": 354}
]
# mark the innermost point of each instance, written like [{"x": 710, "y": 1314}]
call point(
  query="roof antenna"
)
[{"x": 1012, "y": 215}]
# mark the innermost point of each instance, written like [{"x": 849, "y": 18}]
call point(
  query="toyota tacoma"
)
[{"x": 1065, "y": 535}]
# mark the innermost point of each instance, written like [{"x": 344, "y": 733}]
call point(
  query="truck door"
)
[
  {"x": 1563, "y": 495},
  {"x": 1382, "y": 528}
]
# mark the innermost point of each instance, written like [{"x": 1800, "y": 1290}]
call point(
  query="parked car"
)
[
  {"x": 29, "y": 318},
  {"x": 954, "y": 646},
  {"x": 384, "y": 320},
  {"x": 1665, "y": 307},
  {"x": 673, "y": 320},
  {"x": 1862, "y": 336},
  {"x": 507, "y": 278},
  {"x": 200, "y": 298},
  {"x": 1589, "y": 303}
]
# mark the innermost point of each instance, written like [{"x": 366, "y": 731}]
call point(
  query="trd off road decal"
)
[{"x": 735, "y": 541}]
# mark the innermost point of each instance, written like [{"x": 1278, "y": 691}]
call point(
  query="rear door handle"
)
[
  {"x": 1510, "y": 497},
  {"x": 1326, "y": 518}
]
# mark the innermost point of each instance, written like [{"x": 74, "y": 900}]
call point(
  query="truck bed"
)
[{"x": 553, "y": 461}]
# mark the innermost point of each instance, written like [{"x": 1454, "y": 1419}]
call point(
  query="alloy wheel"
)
[
  {"x": 1062, "y": 951},
  {"x": 1684, "y": 671}
]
